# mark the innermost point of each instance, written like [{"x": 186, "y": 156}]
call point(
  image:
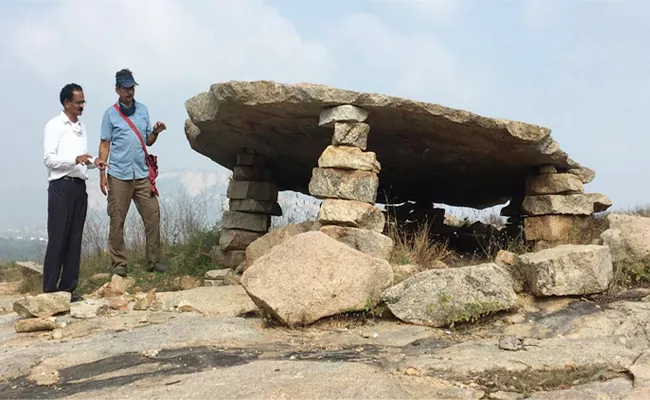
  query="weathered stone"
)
[
  {"x": 554, "y": 184},
  {"x": 568, "y": 270},
  {"x": 510, "y": 262},
  {"x": 217, "y": 274},
  {"x": 343, "y": 113},
  {"x": 553, "y": 228},
  {"x": 249, "y": 158},
  {"x": 186, "y": 282},
  {"x": 264, "y": 191},
  {"x": 586, "y": 175},
  {"x": 43, "y": 305},
  {"x": 236, "y": 239},
  {"x": 244, "y": 173},
  {"x": 348, "y": 157},
  {"x": 344, "y": 184},
  {"x": 36, "y": 325},
  {"x": 232, "y": 258},
  {"x": 29, "y": 268},
  {"x": 264, "y": 244},
  {"x": 574, "y": 204},
  {"x": 547, "y": 169},
  {"x": 213, "y": 282},
  {"x": 368, "y": 242},
  {"x": 441, "y": 297},
  {"x": 351, "y": 213},
  {"x": 256, "y": 206},
  {"x": 628, "y": 238},
  {"x": 351, "y": 134},
  {"x": 428, "y": 152},
  {"x": 87, "y": 308},
  {"x": 311, "y": 276},
  {"x": 226, "y": 301},
  {"x": 245, "y": 221}
]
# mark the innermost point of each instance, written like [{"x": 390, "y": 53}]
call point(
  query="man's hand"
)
[
  {"x": 101, "y": 165},
  {"x": 83, "y": 159},
  {"x": 103, "y": 183},
  {"x": 159, "y": 127}
]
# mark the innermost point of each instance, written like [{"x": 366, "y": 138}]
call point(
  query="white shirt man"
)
[
  {"x": 67, "y": 162},
  {"x": 64, "y": 142}
]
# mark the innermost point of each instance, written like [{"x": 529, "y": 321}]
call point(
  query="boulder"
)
[
  {"x": 29, "y": 268},
  {"x": 628, "y": 238},
  {"x": 311, "y": 276},
  {"x": 442, "y": 297},
  {"x": 348, "y": 157},
  {"x": 369, "y": 242},
  {"x": 574, "y": 204},
  {"x": 344, "y": 184},
  {"x": 351, "y": 134},
  {"x": 351, "y": 213},
  {"x": 263, "y": 245},
  {"x": 554, "y": 184},
  {"x": 429, "y": 152},
  {"x": 568, "y": 270},
  {"x": 43, "y": 305},
  {"x": 510, "y": 262}
]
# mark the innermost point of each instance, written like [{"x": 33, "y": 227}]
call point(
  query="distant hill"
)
[{"x": 21, "y": 249}]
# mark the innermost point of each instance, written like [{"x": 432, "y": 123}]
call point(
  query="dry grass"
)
[{"x": 417, "y": 248}]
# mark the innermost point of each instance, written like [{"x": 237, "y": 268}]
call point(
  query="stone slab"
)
[
  {"x": 552, "y": 228},
  {"x": 351, "y": 213},
  {"x": 575, "y": 204},
  {"x": 428, "y": 152},
  {"x": 349, "y": 157},
  {"x": 264, "y": 191},
  {"x": 256, "y": 206},
  {"x": 245, "y": 221},
  {"x": 342, "y": 113},
  {"x": 351, "y": 134},
  {"x": 238, "y": 239},
  {"x": 554, "y": 184}
]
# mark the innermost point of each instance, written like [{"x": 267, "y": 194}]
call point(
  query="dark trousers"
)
[{"x": 67, "y": 205}]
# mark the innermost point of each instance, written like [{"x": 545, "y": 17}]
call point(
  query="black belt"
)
[{"x": 73, "y": 179}]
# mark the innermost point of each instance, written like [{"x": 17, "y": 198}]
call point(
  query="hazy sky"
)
[{"x": 581, "y": 68}]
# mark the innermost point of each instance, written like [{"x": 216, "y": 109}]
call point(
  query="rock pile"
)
[
  {"x": 556, "y": 204},
  {"x": 253, "y": 200},
  {"x": 38, "y": 311},
  {"x": 347, "y": 179}
]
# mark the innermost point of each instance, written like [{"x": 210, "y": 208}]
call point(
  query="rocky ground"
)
[{"x": 207, "y": 342}]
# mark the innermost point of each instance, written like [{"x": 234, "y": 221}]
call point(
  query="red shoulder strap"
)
[{"x": 128, "y": 121}]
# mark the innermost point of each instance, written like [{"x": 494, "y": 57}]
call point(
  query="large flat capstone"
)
[{"x": 427, "y": 152}]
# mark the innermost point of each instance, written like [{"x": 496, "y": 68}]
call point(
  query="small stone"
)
[
  {"x": 412, "y": 372},
  {"x": 217, "y": 274},
  {"x": 101, "y": 277},
  {"x": 35, "y": 325},
  {"x": 149, "y": 353},
  {"x": 344, "y": 184},
  {"x": 57, "y": 334},
  {"x": 343, "y": 113},
  {"x": 351, "y": 134},
  {"x": 348, "y": 157},
  {"x": 213, "y": 282},
  {"x": 245, "y": 221},
  {"x": 238, "y": 239},
  {"x": 187, "y": 282},
  {"x": 510, "y": 343},
  {"x": 355, "y": 214}
]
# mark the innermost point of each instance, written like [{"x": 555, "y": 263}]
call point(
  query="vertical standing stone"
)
[
  {"x": 253, "y": 200},
  {"x": 347, "y": 179}
]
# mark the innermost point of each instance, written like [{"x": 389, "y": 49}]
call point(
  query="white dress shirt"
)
[{"x": 64, "y": 141}]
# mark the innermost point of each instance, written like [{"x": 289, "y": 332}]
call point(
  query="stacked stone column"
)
[
  {"x": 252, "y": 201},
  {"x": 556, "y": 206},
  {"x": 347, "y": 180}
]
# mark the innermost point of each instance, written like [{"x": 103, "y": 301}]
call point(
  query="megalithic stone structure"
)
[{"x": 347, "y": 180}]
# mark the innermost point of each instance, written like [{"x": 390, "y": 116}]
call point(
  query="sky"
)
[{"x": 580, "y": 68}]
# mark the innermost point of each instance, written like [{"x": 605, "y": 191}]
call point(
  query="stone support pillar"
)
[
  {"x": 252, "y": 201},
  {"x": 347, "y": 180},
  {"x": 556, "y": 206}
]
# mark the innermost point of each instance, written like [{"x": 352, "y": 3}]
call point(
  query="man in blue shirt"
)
[{"x": 127, "y": 178}]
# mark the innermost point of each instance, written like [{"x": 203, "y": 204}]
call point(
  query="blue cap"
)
[{"x": 126, "y": 81}]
